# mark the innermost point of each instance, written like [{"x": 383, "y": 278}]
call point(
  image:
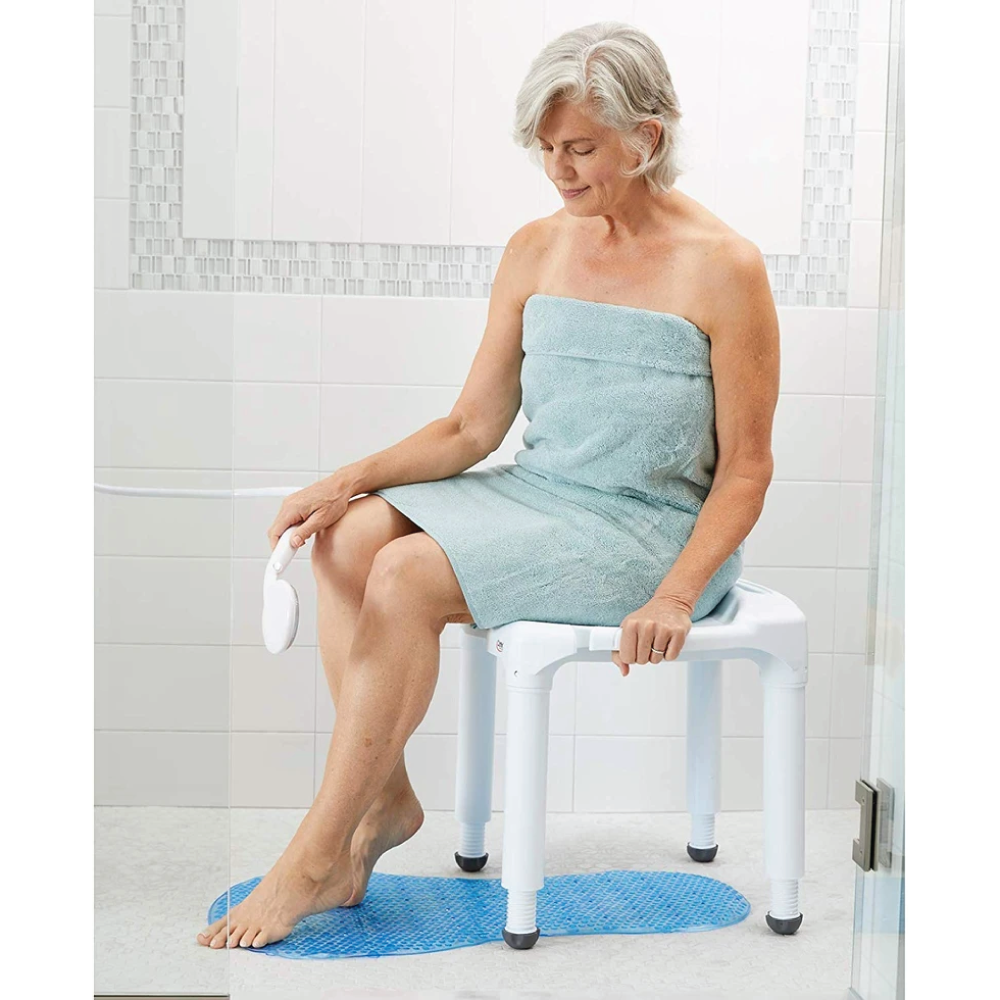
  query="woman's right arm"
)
[
  {"x": 490, "y": 399},
  {"x": 476, "y": 426},
  {"x": 444, "y": 447}
]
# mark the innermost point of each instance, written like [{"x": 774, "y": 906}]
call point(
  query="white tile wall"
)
[
  {"x": 164, "y": 424},
  {"x": 111, "y": 61},
  {"x": 111, "y": 152},
  {"x": 279, "y": 59},
  {"x": 696, "y": 70},
  {"x": 161, "y": 769},
  {"x": 111, "y": 243},
  {"x": 211, "y": 67},
  {"x": 866, "y": 244},
  {"x": 388, "y": 345},
  {"x": 254, "y": 127},
  {"x": 798, "y": 526},
  {"x": 857, "y": 454},
  {"x": 286, "y": 387},
  {"x": 872, "y": 82},
  {"x": 806, "y": 438},
  {"x": 862, "y": 351},
  {"x": 318, "y": 192},
  {"x": 146, "y": 687},
  {"x": 377, "y": 416},
  {"x": 272, "y": 695},
  {"x": 494, "y": 43},
  {"x": 163, "y": 600},
  {"x": 409, "y": 50},
  {"x": 867, "y": 175},
  {"x": 812, "y": 350},
  {"x": 629, "y": 774},
  {"x": 761, "y": 54},
  {"x": 855, "y": 524},
  {"x": 165, "y": 335},
  {"x": 273, "y": 769},
  {"x": 291, "y": 356}
]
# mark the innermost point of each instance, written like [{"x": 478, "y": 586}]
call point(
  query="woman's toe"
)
[
  {"x": 209, "y": 932},
  {"x": 235, "y": 934},
  {"x": 260, "y": 940},
  {"x": 248, "y": 935},
  {"x": 219, "y": 940}
]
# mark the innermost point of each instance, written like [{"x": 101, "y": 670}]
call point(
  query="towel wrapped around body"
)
[{"x": 619, "y": 455}]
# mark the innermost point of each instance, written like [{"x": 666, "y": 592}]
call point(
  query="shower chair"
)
[{"x": 751, "y": 622}]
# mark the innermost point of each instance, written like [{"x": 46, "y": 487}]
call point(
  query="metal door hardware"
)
[
  {"x": 864, "y": 844},
  {"x": 883, "y": 828}
]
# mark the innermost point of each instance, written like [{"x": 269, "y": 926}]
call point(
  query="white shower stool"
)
[{"x": 751, "y": 622}]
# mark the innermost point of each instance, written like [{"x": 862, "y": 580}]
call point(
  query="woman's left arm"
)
[{"x": 745, "y": 362}]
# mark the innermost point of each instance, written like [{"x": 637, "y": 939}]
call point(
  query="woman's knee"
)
[
  {"x": 413, "y": 575},
  {"x": 390, "y": 572},
  {"x": 344, "y": 550}
]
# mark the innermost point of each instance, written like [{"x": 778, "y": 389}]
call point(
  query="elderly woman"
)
[{"x": 642, "y": 333}]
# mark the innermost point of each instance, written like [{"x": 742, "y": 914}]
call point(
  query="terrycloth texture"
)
[
  {"x": 619, "y": 456},
  {"x": 411, "y": 914}
]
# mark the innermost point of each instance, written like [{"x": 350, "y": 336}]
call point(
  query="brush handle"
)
[{"x": 284, "y": 551}]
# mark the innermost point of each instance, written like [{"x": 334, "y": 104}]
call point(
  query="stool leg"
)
[
  {"x": 526, "y": 773},
  {"x": 784, "y": 801},
  {"x": 477, "y": 691},
  {"x": 704, "y": 750}
]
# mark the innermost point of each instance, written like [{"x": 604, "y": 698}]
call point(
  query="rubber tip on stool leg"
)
[
  {"x": 786, "y": 925},
  {"x": 703, "y": 853},
  {"x": 521, "y": 941},
  {"x": 471, "y": 864}
]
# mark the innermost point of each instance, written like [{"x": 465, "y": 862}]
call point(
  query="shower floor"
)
[{"x": 158, "y": 868}]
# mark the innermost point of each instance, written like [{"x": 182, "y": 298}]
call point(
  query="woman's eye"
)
[{"x": 577, "y": 152}]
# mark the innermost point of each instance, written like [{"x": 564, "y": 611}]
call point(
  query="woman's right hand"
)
[{"x": 317, "y": 506}]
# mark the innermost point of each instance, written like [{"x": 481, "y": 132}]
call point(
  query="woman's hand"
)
[
  {"x": 661, "y": 623},
  {"x": 317, "y": 506}
]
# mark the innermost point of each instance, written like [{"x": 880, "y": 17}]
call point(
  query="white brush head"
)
[{"x": 280, "y": 617}]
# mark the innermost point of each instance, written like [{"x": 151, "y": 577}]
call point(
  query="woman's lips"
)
[{"x": 572, "y": 193}]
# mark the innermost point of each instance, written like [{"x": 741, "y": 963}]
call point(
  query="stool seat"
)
[{"x": 750, "y": 622}]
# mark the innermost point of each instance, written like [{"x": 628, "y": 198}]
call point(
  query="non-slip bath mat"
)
[{"x": 410, "y": 914}]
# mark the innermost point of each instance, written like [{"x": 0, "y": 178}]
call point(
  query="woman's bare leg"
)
[
  {"x": 341, "y": 563},
  {"x": 410, "y": 594}
]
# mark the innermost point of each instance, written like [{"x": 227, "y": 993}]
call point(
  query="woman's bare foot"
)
[
  {"x": 302, "y": 881},
  {"x": 387, "y": 824}
]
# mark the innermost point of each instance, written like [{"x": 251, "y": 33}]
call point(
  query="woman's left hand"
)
[{"x": 661, "y": 623}]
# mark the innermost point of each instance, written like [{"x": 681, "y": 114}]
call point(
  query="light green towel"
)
[{"x": 618, "y": 457}]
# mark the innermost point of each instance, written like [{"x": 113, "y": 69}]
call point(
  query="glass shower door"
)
[
  {"x": 165, "y": 512},
  {"x": 879, "y": 938}
]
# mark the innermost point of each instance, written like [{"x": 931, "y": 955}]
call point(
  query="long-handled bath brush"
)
[{"x": 279, "y": 619}]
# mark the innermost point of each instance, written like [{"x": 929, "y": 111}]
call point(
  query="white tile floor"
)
[{"x": 157, "y": 869}]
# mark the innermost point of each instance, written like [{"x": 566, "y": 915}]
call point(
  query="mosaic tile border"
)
[{"x": 160, "y": 258}]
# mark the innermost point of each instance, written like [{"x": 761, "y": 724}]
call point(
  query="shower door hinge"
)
[
  {"x": 864, "y": 844},
  {"x": 883, "y": 825},
  {"x": 873, "y": 846}
]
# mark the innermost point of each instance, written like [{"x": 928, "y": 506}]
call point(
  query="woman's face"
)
[{"x": 580, "y": 154}]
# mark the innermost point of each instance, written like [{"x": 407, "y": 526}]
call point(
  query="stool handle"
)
[
  {"x": 605, "y": 637},
  {"x": 699, "y": 639}
]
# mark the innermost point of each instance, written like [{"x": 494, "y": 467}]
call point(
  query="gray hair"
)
[{"x": 620, "y": 71}]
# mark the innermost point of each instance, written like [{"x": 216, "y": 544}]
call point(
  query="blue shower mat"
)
[{"x": 410, "y": 914}]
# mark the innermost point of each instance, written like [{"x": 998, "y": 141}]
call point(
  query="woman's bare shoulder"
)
[
  {"x": 527, "y": 252},
  {"x": 735, "y": 287}
]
